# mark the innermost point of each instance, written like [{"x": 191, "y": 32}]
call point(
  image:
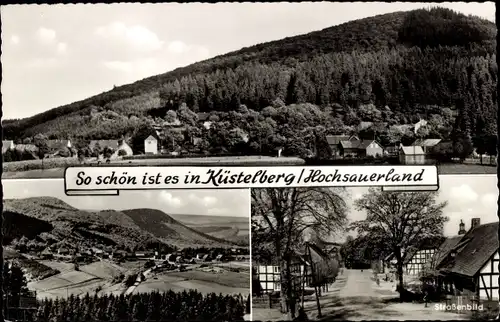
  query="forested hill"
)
[{"x": 396, "y": 68}]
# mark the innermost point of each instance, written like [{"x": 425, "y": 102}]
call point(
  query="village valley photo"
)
[
  {"x": 364, "y": 253},
  {"x": 147, "y": 255},
  {"x": 252, "y": 84}
]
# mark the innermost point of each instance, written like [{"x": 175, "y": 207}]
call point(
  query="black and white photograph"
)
[
  {"x": 248, "y": 84},
  {"x": 361, "y": 253},
  {"x": 159, "y": 255}
]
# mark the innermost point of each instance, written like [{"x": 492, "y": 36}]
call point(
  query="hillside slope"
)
[
  {"x": 165, "y": 227},
  {"x": 53, "y": 221},
  {"x": 403, "y": 65}
]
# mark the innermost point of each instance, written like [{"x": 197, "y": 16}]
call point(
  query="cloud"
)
[
  {"x": 62, "y": 47},
  {"x": 46, "y": 35},
  {"x": 462, "y": 194},
  {"x": 168, "y": 198},
  {"x": 15, "y": 39},
  {"x": 490, "y": 199},
  {"x": 178, "y": 47},
  {"x": 137, "y": 36}
]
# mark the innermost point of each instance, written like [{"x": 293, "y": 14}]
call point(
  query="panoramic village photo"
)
[
  {"x": 359, "y": 254},
  {"x": 141, "y": 256},
  {"x": 377, "y": 83}
]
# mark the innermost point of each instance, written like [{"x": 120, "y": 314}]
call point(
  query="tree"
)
[
  {"x": 281, "y": 217},
  {"x": 96, "y": 150},
  {"x": 14, "y": 284},
  {"x": 41, "y": 142},
  {"x": 403, "y": 219}
]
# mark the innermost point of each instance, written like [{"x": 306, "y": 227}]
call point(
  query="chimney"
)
[
  {"x": 461, "y": 230},
  {"x": 475, "y": 222}
]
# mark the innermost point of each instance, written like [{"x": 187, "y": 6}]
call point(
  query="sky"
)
[
  {"x": 54, "y": 55},
  {"x": 468, "y": 196},
  {"x": 222, "y": 202}
]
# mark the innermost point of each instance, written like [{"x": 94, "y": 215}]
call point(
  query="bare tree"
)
[
  {"x": 280, "y": 217},
  {"x": 403, "y": 218}
]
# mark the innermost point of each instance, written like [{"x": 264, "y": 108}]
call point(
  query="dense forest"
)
[
  {"x": 385, "y": 71},
  {"x": 154, "y": 306}
]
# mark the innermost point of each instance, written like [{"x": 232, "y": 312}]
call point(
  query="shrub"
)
[{"x": 122, "y": 153}]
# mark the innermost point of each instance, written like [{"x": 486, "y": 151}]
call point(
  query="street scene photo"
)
[
  {"x": 143, "y": 255},
  {"x": 359, "y": 254},
  {"x": 249, "y": 84}
]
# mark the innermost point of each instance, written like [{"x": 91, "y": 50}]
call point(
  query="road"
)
[
  {"x": 359, "y": 283},
  {"x": 356, "y": 297},
  {"x": 138, "y": 281}
]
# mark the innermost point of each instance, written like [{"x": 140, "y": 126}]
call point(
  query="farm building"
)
[
  {"x": 151, "y": 145},
  {"x": 426, "y": 144},
  {"x": 471, "y": 266},
  {"x": 334, "y": 141},
  {"x": 269, "y": 274},
  {"x": 411, "y": 155},
  {"x": 361, "y": 148},
  {"x": 7, "y": 145}
]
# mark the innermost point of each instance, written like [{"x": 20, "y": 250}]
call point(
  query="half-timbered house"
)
[{"x": 471, "y": 267}]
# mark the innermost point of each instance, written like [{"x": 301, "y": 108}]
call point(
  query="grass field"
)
[
  {"x": 203, "y": 282},
  {"x": 55, "y": 168}
]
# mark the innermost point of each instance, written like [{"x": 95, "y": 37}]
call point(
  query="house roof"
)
[
  {"x": 317, "y": 254},
  {"x": 114, "y": 144},
  {"x": 444, "y": 249},
  {"x": 151, "y": 137},
  {"x": 335, "y": 139},
  {"x": 412, "y": 150},
  {"x": 479, "y": 244},
  {"x": 357, "y": 144},
  {"x": 426, "y": 142}
]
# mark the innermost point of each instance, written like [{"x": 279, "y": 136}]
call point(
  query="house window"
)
[{"x": 276, "y": 269}]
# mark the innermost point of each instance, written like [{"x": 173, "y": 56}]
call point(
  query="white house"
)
[
  {"x": 7, "y": 145},
  {"x": 151, "y": 145},
  {"x": 115, "y": 145}
]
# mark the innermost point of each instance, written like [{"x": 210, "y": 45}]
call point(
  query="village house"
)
[
  {"x": 426, "y": 144},
  {"x": 204, "y": 119},
  {"x": 421, "y": 257},
  {"x": 361, "y": 148},
  {"x": 7, "y": 145},
  {"x": 115, "y": 145},
  {"x": 471, "y": 267},
  {"x": 411, "y": 155},
  {"x": 334, "y": 142},
  {"x": 151, "y": 145},
  {"x": 268, "y": 273}
]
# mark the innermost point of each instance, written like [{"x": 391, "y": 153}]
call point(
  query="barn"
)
[
  {"x": 471, "y": 267},
  {"x": 411, "y": 155}
]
